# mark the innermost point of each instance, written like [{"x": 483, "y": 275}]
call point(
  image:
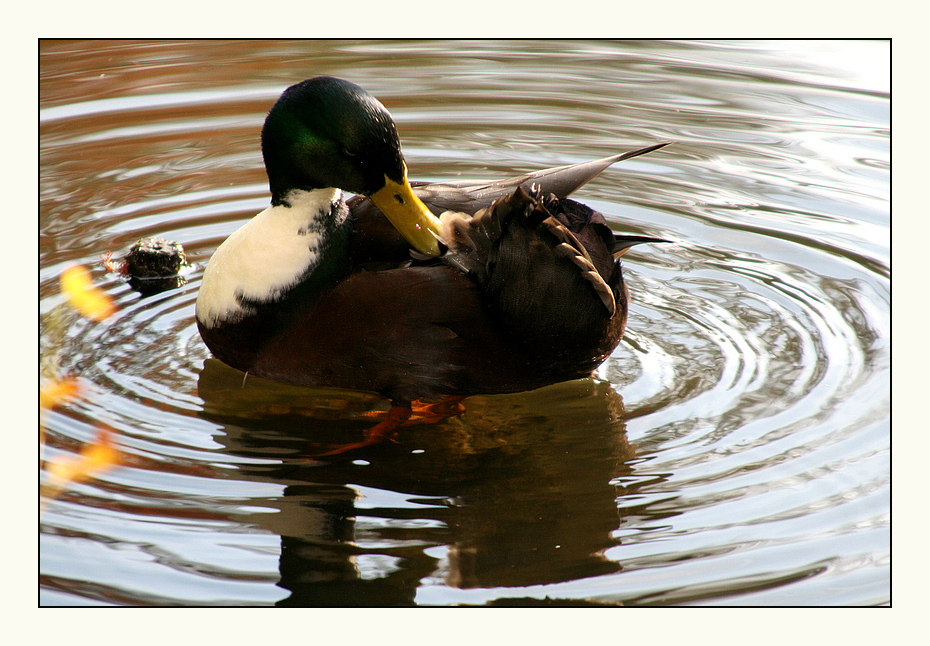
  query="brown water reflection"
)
[{"x": 518, "y": 487}]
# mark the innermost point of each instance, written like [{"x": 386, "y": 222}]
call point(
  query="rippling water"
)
[{"x": 734, "y": 450}]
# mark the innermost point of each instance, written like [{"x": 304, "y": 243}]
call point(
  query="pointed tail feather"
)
[
  {"x": 561, "y": 181},
  {"x": 622, "y": 243}
]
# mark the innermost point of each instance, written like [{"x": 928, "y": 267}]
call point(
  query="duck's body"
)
[{"x": 524, "y": 291}]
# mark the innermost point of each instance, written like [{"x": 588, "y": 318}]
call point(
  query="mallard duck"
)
[{"x": 463, "y": 288}]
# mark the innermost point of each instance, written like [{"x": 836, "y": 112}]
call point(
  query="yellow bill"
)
[{"x": 409, "y": 215}]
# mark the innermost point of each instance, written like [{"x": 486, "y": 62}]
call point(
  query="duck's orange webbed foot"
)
[
  {"x": 376, "y": 434},
  {"x": 401, "y": 415},
  {"x": 428, "y": 412},
  {"x": 425, "y": 413}
]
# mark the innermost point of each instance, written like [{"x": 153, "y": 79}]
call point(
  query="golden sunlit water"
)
[{"x": 734, "y": 449}]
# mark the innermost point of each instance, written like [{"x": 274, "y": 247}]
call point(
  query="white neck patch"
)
[{"x": 265, "y": 257}]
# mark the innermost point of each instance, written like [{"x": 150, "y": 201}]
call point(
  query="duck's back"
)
[{"x": 547, "y": 279}]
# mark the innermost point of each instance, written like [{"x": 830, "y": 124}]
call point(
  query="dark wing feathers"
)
[
  {"x": 545, "y": 298},
  {"x": 378, "y": 241}
]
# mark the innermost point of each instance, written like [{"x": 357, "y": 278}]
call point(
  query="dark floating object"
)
[
  {"x": 152, "y": 265},
  {"x": 155, "y": 258},
  {"x": 512, "y": 286}
]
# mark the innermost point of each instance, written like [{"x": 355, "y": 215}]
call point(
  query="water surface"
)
[{"x": 734, "y": 449}]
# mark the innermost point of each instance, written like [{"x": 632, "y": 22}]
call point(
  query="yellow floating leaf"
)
[
  {"x": 84, "y": 296},
  {"x": 55, "y": 392},
  {"x": 96, "y": 457}
]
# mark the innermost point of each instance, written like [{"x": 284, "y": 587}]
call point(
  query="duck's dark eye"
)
[{"x": 348, "y": 153}]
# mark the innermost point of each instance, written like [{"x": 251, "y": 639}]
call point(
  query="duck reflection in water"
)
[{"x": 514, "y": 492}]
